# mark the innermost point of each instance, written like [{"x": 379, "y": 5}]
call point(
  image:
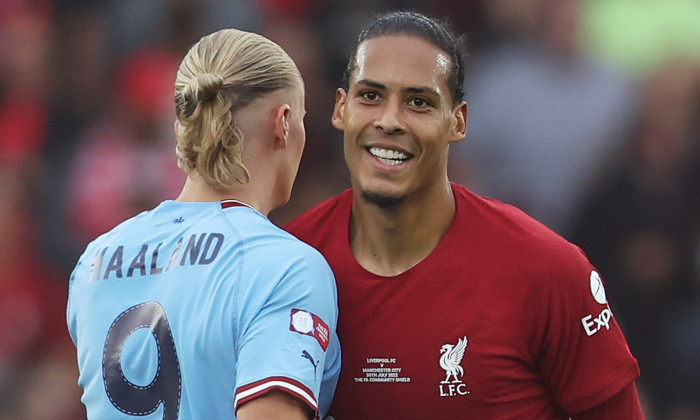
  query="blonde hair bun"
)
[{"x": 202, "y": 88}]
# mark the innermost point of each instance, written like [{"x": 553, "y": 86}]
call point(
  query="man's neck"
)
[
  {"x": 389, "y": 241},
  {"x": 196, "y": 190}
]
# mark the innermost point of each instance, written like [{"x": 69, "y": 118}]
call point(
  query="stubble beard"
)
[{"x": 382, "y": 201}]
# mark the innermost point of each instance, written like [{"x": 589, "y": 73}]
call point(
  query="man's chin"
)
[{"x": 384, "y": 201}]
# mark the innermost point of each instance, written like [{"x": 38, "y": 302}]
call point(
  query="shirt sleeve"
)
[
  {"x": 584, "y": 356},
  {"x": 287, "y": 324},
  {"x": 624, "y": 405}
]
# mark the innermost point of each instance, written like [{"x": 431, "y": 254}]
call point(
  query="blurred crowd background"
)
[{"x": 586, "y": 114}]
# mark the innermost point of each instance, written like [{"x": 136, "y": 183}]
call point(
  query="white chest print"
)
[{"x": 450, "y": 361}]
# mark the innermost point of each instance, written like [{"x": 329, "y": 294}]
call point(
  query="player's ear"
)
[
  {"x": 281, "y": 117},
  {"x": 339, "y": 109},
  {"x": 459, "y": 121}
]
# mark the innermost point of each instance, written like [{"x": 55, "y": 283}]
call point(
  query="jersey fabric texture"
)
[
  {"x": 191, "y": 309},
  {"x": 503, "y": 320}
]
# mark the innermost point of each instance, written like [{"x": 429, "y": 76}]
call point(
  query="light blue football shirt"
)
[{"x": 191, "y": 309}]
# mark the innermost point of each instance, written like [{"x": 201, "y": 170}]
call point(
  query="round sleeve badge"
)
[
  {"x": 597, "y": 288},
  {"x": 302, "y": 322}
]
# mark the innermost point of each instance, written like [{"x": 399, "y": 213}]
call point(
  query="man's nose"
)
[{"x": 389, "y": 120}]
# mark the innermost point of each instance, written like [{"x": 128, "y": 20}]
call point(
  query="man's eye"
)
[
  {"x": 419, "y": 102},
  {"x": 370, "y": 95}
]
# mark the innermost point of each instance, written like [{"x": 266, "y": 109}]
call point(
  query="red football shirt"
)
[{"x": 504, "y": 319}]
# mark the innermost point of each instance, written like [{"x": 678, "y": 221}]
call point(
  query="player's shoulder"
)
[
  {"x": 116, "y": 232},
  {"x": 309, "y": 220},
  {"x": 294, "y": 248},
  {"x": 281, "y": 258},
  {"x": 288, "y": 243},
  {"x": 510, "y": 229},
  {"x": 262, "y": 238}
]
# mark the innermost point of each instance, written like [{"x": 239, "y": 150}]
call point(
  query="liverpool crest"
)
[{"x": 450, "y": 361}]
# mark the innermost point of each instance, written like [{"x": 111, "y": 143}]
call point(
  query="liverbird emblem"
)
[{"x": 451, "y": 359}]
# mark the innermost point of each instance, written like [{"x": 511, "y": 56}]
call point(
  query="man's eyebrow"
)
[
  {"x": 371, "y": 83},
  {"x": 412, "y": 90},
  {"x": 422, "y": 89}
]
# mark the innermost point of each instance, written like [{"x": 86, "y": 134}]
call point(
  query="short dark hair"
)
[{"x": 435, "y": 31}]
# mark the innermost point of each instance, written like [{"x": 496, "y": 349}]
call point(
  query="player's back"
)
[{"x": 156, "y": 307}]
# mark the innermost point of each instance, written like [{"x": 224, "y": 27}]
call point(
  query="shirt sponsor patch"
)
[
  {"x": 592, "y": 324},
  {"x": 304, "y": 322}
]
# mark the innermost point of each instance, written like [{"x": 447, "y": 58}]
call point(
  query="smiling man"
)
[
  {"x": 451, "y": 305},
  {"x": 398, "y": 117}
]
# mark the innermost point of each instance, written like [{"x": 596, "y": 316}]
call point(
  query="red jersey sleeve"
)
[
  {"x": 584, "y": 354},
  {"x": 624, "y": 405}
]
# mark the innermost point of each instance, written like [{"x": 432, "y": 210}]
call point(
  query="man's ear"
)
[
  {"x": 459, "y": 130},
  {"x": 339, "y": 109},
  {"x": 281, "y": 116}
]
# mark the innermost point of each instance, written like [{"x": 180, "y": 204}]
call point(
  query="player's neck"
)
[
  {"x": 390, "y": 241},
  {"x": 196, "y": 190}
]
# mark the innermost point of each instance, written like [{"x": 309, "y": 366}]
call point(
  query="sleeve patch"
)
[{"x": 304, "y": 322}]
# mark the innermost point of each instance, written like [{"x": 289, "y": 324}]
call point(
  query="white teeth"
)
[
  {"x": 389, "y": 157},
  {"x": 387, "y": 154}
]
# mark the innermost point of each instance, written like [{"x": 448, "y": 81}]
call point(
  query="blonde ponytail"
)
[{"x": 224, "y": 72}]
